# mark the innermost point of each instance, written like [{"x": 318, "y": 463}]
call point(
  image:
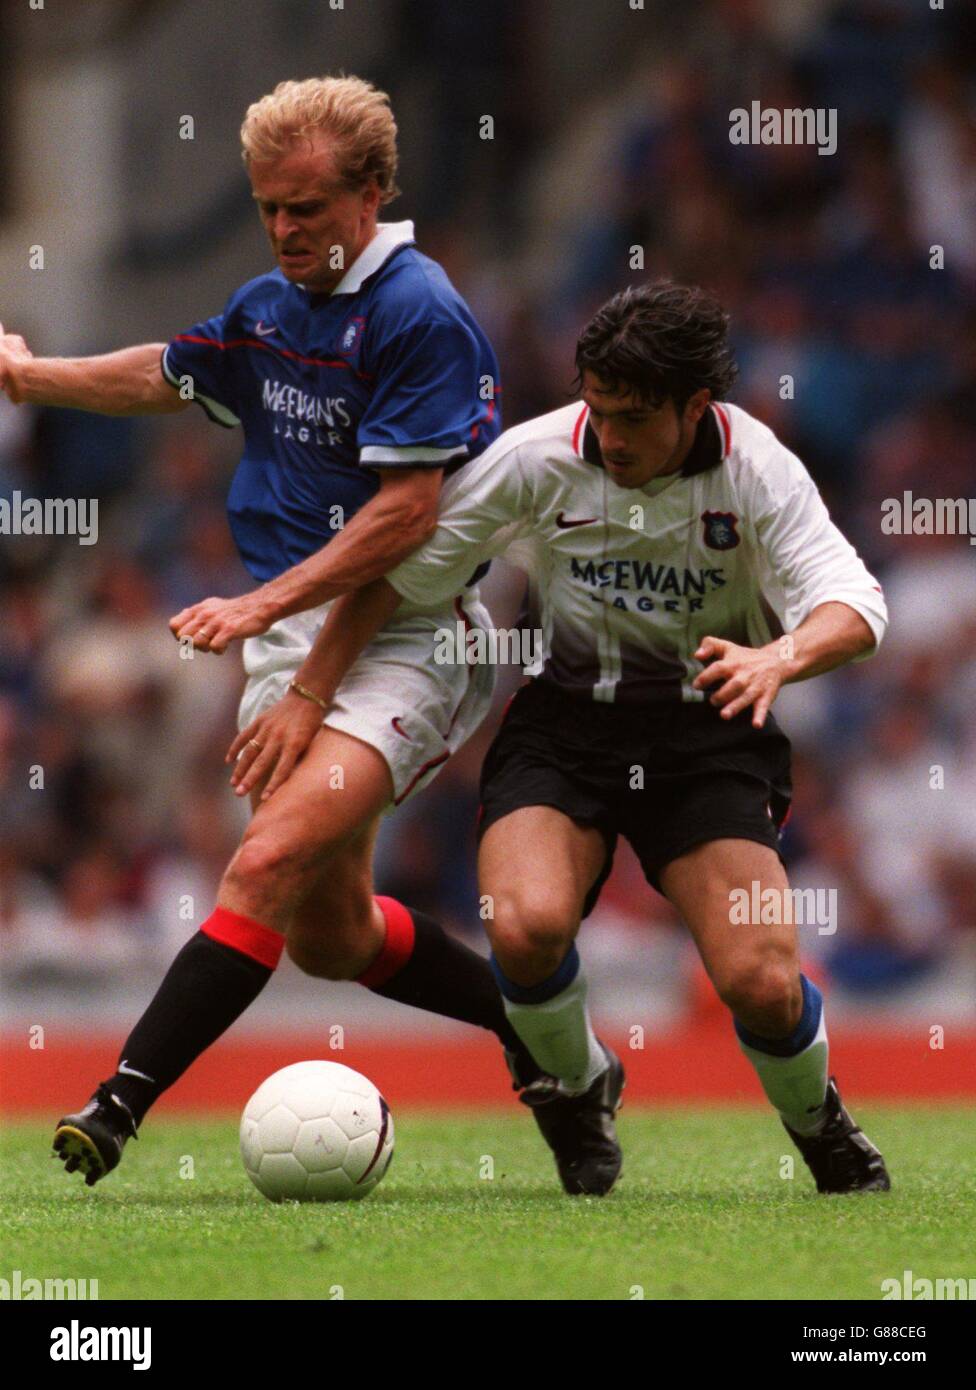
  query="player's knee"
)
[
  {"x": 269, "y": 858},
  {"x": 525, "y": 926},
  {"x": 765, "y": 994}
]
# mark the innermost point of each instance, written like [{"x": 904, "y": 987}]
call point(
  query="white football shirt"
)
[{"x": 625, "y": 582}]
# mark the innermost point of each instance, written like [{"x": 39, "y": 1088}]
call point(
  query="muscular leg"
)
[
  {"x": 536, "y": 865},
  {"x": 340, "y": 931},
  {"x": 309, "y": 822},
  {"x": 317, "y": 829},
  {"x": 223, "y": 968},
  {"x": 338, "y": 928},
  {"x": 305, "y": 867},
  {"x": 755, "y": 968}
]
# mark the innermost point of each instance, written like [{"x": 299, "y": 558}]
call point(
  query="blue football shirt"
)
[{"x": 388, "y": 370}]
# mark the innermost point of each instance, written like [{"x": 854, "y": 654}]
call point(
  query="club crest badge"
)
[
  {"x": 720, "y": 532},
  {"x": 350, "y": 336}
]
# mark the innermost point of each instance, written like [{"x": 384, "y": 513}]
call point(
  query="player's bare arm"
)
[
  {"x": 833, "y": 635},
  {"x": 127, "y": 382},
  {"x": 387, "y": 529},
  {"x": 274, "y": 743},
  {"x": 281, "y": 735}
]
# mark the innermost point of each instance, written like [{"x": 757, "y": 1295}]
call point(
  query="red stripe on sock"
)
[
  {"x": 397, "y": 946},
  {"x": 251, "y": 938}
]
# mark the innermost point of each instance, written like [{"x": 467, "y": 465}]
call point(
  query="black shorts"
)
[{"x": 703, "y": 778}]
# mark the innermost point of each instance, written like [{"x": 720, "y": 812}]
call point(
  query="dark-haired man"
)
[{"x": 682, "y": 568}]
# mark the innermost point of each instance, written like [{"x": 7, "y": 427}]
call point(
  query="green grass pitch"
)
[{"x": 702, "y": 1212}]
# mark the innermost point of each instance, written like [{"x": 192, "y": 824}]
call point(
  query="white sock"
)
[
  {"x": 558, "y": 1033},
  {"x": 797, "y": 1085}
]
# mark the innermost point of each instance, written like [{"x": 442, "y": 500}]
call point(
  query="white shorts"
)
[{"x": 395, "y": 697}]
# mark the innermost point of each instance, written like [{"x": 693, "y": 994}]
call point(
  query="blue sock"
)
[
  {"x": 561, "y": 978},
  {"x": 803, "y": 1034},
  {"x": 552, "y": 1020},
  {"x": 793, "y": 1070}
]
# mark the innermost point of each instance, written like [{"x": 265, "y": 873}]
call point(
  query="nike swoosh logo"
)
[
  {"x": 126, "y": 1070},
  {"x": 564, "y": 525},
  {"x": 263, "y": 331},
  {"x": 395, "y": 721}
]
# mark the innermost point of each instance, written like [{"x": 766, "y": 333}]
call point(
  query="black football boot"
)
[
  {"x": 580, "y": 1129},
  {"x": 93, "y": 1139},
  {"x": 841, "y": 1157}
]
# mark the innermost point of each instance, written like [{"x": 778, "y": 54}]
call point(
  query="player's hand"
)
[
  {"x": 216, "y": 622},
  {"x": 744, "y": 676},
  {"x": 273, "y": 744},
  {"x": 13, "y": 350}
]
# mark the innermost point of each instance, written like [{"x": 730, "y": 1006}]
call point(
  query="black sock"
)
[
  {"x": 207, "y": 987},
  {"x": 446, "y": 977}
]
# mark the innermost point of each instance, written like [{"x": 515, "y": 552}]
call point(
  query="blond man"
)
[{"x": 359, "y": 378}]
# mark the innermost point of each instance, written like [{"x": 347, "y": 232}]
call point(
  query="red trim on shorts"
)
[
  {"x": 431, "y": 762},
  {"x": 441, "y": 757},
  {"x": 397, "y": 945},
  {"x": 462, "y": 617},
  {"x": 243, "y": 934},
  {"x": 508, "y": 705}
]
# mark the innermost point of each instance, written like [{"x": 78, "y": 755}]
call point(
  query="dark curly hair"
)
[{"x": 661, "y": 342}]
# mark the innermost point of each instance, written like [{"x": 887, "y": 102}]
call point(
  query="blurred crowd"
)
[{"x": 851, "y": 278}]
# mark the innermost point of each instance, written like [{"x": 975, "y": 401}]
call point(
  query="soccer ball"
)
[{"x": 316, "y": 1132}]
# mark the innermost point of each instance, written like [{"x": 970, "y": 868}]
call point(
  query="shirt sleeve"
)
[
  {"x": 201, "y": 354},
  {"x": 426, "y": 402},
  {"x": 483, "y": 509},
  {"x": 805, "y": 560}
]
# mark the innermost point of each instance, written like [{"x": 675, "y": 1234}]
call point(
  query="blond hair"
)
[{"x": 353, "y": 112}]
